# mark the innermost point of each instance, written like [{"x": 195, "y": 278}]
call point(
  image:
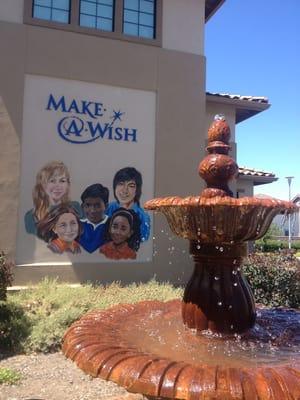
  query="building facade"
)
[{"x": 131, "y": 75}]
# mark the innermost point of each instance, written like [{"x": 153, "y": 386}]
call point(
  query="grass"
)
[
  {"x": 9, "y": 376},
  {"x": 36, "y": 319}
]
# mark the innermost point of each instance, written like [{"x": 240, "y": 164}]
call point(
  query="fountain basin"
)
[
  {"x": 219, "y": 219},
  {"x": 146, "y": 348}
]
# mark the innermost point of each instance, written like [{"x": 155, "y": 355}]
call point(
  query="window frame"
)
[{"x": 117, "y": 33}]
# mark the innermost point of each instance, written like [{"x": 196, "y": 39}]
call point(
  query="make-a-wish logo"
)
[{"x": 89, "y": 121}]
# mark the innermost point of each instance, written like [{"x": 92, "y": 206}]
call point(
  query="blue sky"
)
[{"x": 253, "y": 48}]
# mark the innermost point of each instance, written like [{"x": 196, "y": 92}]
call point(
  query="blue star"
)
[{"x": 117, "y": 116}]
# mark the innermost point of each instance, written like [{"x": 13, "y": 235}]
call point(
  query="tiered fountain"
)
[{"x": 220, "y": 348}]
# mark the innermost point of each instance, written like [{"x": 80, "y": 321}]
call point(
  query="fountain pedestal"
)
[{"x": 218, "y": 297}]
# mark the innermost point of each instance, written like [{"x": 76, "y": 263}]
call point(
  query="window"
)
[
  {"x": 139, "y": 18},
  {"x": 52, "y": 10},
  {"x": 97, "y": 14},
  {"x": 131, "y": 20}
]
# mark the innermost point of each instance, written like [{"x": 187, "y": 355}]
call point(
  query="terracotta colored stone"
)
[{"x": 144, "y": 348}]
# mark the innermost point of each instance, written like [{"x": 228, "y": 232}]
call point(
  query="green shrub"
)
[
  {"x": 273, "y": 245},
  {"x": 6, "y": 275},
  {"x": 14, "y": 327},
  {"x": 9, "y": 376},
  {"x": 51, "y": 308},
  {"x": 274, "y": 278}
]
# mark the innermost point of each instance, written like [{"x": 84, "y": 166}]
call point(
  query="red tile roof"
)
[
  {"x": 256, "y": 99},
  {"x": 255, "y": 172}
]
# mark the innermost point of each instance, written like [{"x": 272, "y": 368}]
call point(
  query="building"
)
[{"x": 101, "y": 86}]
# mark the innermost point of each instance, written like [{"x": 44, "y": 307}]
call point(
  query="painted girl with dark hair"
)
[
  {"x": 61, "y": 229},
  {"x": 123, "y": 235},
  {"x": 127, "y": 187}
]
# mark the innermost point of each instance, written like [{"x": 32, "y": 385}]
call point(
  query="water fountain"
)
[{"x": 213, "y": 344}]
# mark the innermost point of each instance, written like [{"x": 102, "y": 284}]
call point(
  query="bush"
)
[
  {"x": 273, "y": 245},
  {"x": 14, "y": 327},
  {"x": 274, "y": 278},
  {"x": 49, "y": 309},
  {"x": 6, "y": 275}
]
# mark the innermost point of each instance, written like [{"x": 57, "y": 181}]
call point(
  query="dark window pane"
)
[
  {"x": 104, "y": 11},
  {"x": 108, "y": 2},
  {"x": 104, "y": 24},
  {"x": 146, "y": 32},
  {"x": 147, "y": 6},
  {"x": 46, "y": 3},
  {"x": 88, "y": 21},
  {"x": 130, "y": 29},
  {"x": 88, "y": 8},
  {"x": 61, "y": 4},
  {"x": 60, "y": 16},
  {"x": 131, "y": 16},
  {"x": 52, "y": 10},
  {"x": 131, "y": 4},
  {"x": 42, "y": 12},
  {"x": 146, "y": 19},
  {"x": 142, "y": 14}
]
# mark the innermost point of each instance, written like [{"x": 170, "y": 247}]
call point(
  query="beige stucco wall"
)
[
  {"x": 11, "y": 10},
  {"x": 176, "y": 77},
  {"x": 245, "y": 187},
  {"x": 9, "y": 167},
  {"x": 183, "y": 25}
]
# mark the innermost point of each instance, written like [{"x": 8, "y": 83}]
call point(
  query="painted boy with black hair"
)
[{"x": 94, "y": 202}]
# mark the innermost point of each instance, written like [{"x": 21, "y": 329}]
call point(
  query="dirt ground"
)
[{"x": 53, "y": 377}]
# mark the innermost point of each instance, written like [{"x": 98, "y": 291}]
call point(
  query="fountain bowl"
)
[
  {"x": 145, "y": 348},
  {"x": 219, "y": 219}
]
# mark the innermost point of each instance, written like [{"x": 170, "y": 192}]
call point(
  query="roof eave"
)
[
  {"x": 258, "y": 180},
  {"x": 211, "y": 7},
  {"x": 244, "y": 108}
]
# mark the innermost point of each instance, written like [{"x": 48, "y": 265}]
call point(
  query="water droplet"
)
[
  {"x": 198, "y": 246},
  {"x": 217, "y": 278},
  {"x": 235, "y": 284},
  {"x": 234, "y": 272},
  {"x": 231, "y": 327},
  {"x": 170, "y": 262},
  {"x": 230, "y": 307},
  {"x": 221, "y": 249},
  {"x": 219, "y": 303},
  {"x": 153, "y": 238}
]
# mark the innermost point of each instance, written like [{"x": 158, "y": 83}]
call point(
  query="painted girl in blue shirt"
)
[{"x": 127, "y": 186}]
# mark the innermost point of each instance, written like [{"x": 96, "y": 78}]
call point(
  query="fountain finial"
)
[{"x": 217, "y": 168}]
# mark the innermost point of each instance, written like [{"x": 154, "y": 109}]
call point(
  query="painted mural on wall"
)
[{"x": 87, "y": 169}]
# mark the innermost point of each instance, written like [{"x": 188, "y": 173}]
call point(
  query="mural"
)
[
  {"x": 87, "y": 169},
  {"x": 115, "y": 229}
]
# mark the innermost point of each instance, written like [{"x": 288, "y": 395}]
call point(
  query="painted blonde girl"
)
[{"x": 52, "y": 188}]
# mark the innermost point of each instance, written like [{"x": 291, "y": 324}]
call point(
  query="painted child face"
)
[
  {"x": 120, "y": 230},
  {"x": 125, "y": 192},
  {"x": 56, "y": 188},
  {"x": 66, "y": 227},
  {"x": 94, "y": 208}
]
